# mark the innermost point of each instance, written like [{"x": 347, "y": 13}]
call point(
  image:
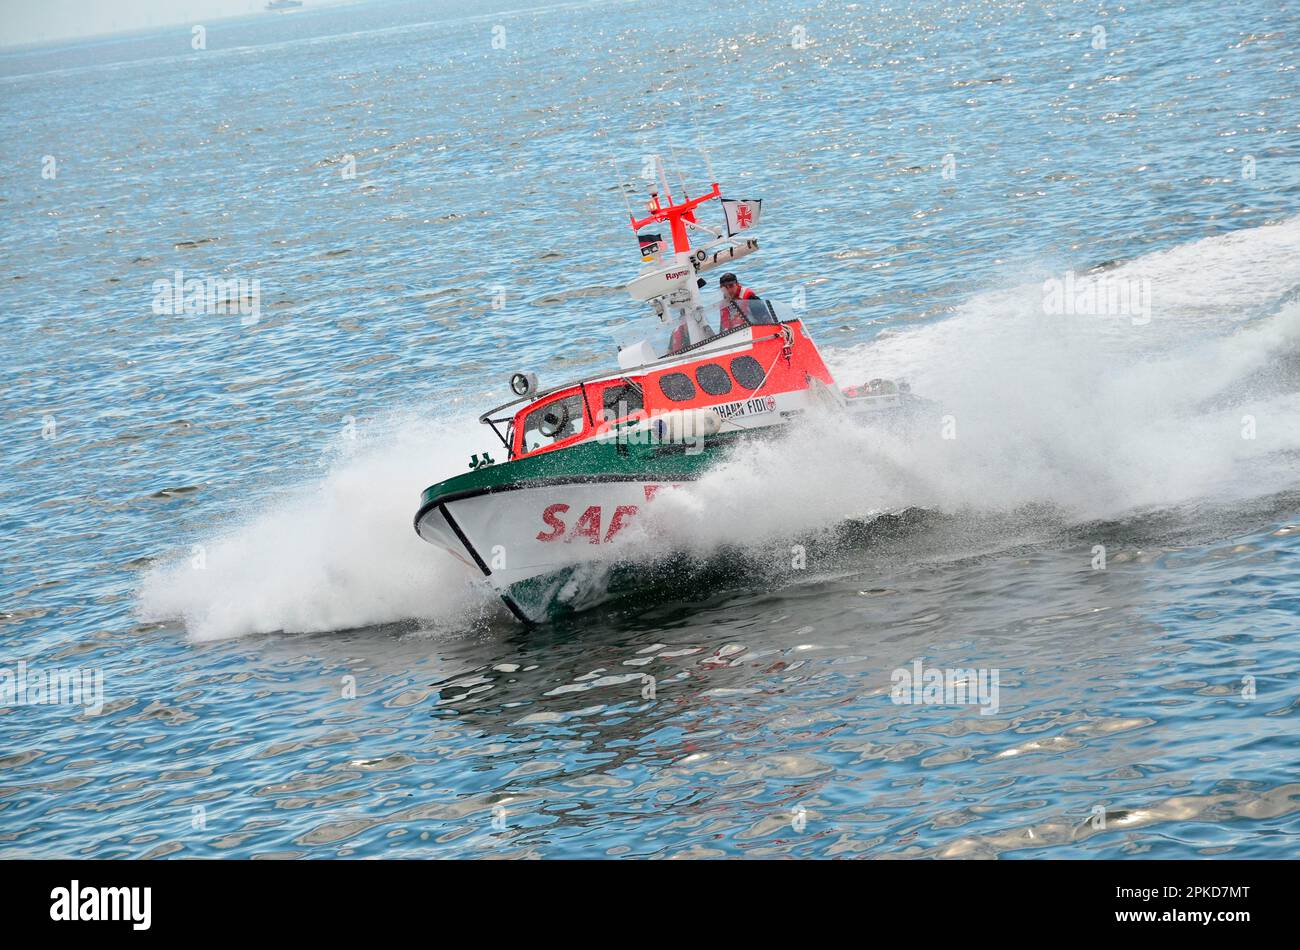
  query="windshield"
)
[
  {"x": 650, "y": 338},
  {"x": 556, "y": 421},
  {"x": 735, "y": 313}
]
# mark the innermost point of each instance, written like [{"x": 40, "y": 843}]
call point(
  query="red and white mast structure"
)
[{"x": 670, "y": 284}]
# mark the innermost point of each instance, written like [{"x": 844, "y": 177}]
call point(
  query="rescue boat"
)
[{"x": 582, "y": 462}]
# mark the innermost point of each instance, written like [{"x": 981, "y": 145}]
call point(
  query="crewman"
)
[{"x": 734, "y": 314}]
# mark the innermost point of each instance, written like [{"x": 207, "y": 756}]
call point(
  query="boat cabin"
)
[
  {"x": 734, "y": 357},
  {"x": 732, "y": 367}
]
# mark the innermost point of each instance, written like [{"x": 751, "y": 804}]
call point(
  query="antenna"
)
[
  {"x": 699, "y": 140},
  {"x": 613, "y": 160},
  {"x": 663, "y": 179},
  {"x": 678, "y": 165},
  {"x": 708, "y": 163}
]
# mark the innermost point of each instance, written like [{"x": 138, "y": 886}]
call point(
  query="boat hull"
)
[
  {"x": 531, "y": 525},
  {"x": 546, "y": 531},
  {"x": 547, "y": 548}
]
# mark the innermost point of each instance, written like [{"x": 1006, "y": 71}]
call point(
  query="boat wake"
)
[
  {"x": 1043, "y": 421},
  {"x": 335, "y": 553}
]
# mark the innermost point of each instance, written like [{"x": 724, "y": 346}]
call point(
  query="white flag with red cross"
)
[{"x": 741, "y": 215}]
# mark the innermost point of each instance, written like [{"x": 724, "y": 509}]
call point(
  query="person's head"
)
[{"x": 730, "y": 286}]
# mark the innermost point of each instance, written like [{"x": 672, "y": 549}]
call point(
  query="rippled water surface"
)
[{"x": 214, "y": 513}]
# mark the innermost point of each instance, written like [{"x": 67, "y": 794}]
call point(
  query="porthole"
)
[
  {"x": 749, "y": 374},
  {"x": 713, "y": 379},
  {"x": 677, "y": 387}
]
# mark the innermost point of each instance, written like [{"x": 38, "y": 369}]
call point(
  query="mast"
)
[
  {"x": 677, "y": 216},
  {"x": 671, "y": 285},
  {"x": 686, "y": 304}
]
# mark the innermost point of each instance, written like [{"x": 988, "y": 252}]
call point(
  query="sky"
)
[{"x": 38, "y": 21}]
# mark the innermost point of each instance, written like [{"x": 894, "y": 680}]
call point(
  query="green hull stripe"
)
[{"x": 593, "y": 460}]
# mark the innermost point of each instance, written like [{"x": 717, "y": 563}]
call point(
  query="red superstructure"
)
[
  {"x": 766, "y": 363},
  {"x": 759, "y": 372}
]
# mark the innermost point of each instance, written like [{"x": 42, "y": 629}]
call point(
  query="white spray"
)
[{"x": 1094, "y": 417}]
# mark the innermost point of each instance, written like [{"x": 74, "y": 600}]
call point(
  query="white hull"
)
[{"x": 521, "y": 539}]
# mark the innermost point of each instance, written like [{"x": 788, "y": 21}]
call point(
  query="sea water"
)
[{"x": 1062, "y": 621}]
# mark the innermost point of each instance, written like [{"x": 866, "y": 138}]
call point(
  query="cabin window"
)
[
  {"x": 677, "y": 387},
  {"x": 713, "y": 379},
  {"x": 554, "y": 422},
  {"x": 748, "y": 372},
  {"x": 621, "y": 401}
]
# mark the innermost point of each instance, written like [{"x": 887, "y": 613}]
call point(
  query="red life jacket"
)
[{"x": 732, "y": 317}]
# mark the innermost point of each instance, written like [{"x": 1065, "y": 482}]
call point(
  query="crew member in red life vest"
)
[{"x": 734, "y": 314}]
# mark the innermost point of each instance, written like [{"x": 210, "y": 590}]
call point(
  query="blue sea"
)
[{"x": 1094, "y": 553}]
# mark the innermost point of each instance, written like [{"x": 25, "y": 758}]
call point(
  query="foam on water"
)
[
  {"x": 336, "y": 553},
  {"x": 1090, "y": 417},
  {"x": 1095, "y": 417}
]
